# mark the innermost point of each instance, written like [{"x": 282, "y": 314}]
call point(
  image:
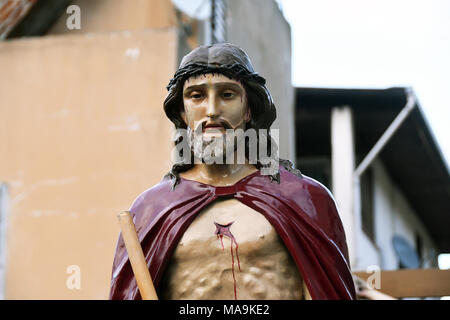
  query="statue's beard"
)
[
  {"x": 214, "y": 148},
  {"x": 234, "y": 146}
]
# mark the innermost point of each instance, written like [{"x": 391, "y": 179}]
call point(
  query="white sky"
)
[{"x": 376, "y": 44}]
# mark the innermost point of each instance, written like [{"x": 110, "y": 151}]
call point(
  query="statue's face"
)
[{"x": 214, "y": 102}]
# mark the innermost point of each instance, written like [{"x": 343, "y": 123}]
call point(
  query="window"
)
[
  {"x": 367, "y": 218},
  {"x": 418, "y": 240}
]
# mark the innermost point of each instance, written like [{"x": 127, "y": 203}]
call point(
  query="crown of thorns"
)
[{"x": 232, "y": 71}]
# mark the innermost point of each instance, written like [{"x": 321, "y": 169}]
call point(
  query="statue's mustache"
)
[{"x": 220, "y": 122}]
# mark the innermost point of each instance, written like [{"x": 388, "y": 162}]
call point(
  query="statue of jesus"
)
[{"x": 229, "y": 225}]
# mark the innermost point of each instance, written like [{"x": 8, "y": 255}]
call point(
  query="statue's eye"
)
[
  {"x": 228, "y": 94},
  {"x": 196, "y": 95}
]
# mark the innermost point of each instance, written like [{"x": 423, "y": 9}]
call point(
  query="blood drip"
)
[{"x": 224, "y": 230}]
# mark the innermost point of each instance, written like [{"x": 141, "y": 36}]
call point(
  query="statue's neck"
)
[{"x": 218, "y": 174}]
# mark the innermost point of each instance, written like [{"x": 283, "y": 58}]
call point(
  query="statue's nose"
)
[{"x": 213, "y": 107}]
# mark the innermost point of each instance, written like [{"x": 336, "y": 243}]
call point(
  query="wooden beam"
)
[{"x": 408, "y": 283}]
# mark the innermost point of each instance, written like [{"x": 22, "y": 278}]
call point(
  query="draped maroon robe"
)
[{"x": 301, "y": 210}]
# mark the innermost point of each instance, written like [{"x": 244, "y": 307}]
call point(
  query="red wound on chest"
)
[{"x": 224, "y": 230}]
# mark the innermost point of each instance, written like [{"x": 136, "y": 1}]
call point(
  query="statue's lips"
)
[{"x": 213, "y": 127}]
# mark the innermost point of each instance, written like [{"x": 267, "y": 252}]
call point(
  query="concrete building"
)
[{"x": 404, "y": 191}]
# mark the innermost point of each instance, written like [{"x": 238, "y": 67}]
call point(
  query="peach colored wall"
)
[
  {"x": 119, "y": 15},
  {"x": 82, "y": 134}
]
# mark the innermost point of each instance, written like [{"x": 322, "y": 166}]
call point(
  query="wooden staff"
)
[{"x": 136, "y": 256}]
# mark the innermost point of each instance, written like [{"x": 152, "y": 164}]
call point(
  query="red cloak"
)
[{"x": 300, "y": 209}]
